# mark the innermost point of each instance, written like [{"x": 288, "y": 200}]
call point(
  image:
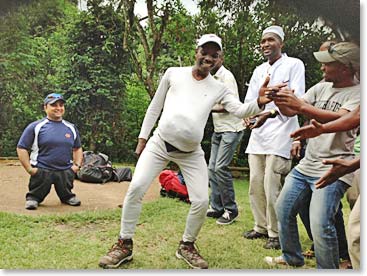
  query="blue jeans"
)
[
  {"x": 298, "y": 190},
  {"x": 339, "y": 227},
  {"x": 223, "y": 147}
]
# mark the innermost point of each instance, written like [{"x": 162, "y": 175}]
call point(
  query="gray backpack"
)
[{"x": 96, "y": 168}]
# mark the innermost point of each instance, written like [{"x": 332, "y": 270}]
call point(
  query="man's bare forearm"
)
[
  {"x": 320, "y": 115},
  {"x": 346, "y": 122}
]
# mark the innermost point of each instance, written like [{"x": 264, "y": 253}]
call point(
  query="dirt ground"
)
[{"x": 14, "y": 186}]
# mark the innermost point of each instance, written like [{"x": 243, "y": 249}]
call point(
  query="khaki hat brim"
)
[{"x": 324, "y": 57}]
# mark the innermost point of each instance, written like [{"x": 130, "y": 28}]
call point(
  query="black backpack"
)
[
  {"x": 122, "y": 174},
  {"x": 96, "y": 168}
]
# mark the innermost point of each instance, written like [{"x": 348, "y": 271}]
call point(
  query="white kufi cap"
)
[{"x": 275, "y": 30}]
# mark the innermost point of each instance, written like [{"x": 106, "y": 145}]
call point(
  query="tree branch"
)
[{"x": 150, "y": 9}]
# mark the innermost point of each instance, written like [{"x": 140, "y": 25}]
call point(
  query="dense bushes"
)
[{"x": 50, "y": 46}]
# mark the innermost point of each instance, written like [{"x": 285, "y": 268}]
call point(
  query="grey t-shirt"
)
[{"x": 330, "y": 145}]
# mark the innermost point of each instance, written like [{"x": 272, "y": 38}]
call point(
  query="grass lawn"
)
[{"x": 77, "y": 241}]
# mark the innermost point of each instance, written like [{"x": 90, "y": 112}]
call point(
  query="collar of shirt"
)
[
  {"x": 271, "y": 68},
  {"x": 219, "y": 73}
]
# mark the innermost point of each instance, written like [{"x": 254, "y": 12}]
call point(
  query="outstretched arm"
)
[
  {"x": 340, "y": 167},
  {"x": 346, "y": 122},
  {"x": 290, "y": 105},
  {"x": 259, "y": 119}
]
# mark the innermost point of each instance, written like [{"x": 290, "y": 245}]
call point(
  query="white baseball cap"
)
[
  {"x": 275, "y": 30},
  {"x": 210, "y": 38}
]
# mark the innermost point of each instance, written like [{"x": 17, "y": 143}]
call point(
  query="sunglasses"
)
[
  {"x": 54, "y": 96},
  {"x": 331, "y": 49}
]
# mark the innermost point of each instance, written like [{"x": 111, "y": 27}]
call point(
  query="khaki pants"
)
[{"x": 267, "y": 174}]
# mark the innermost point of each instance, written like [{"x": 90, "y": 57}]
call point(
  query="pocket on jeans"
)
[{"x": 282, "y": 165}]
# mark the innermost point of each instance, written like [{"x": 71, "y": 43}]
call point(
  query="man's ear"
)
[
  {"x": 196, "y": 52},
  {"x": 348, "y": 69},
  {"x": 281, "y": 44}
]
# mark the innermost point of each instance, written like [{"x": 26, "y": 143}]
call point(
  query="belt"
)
[{"x": 171, "y": 148}]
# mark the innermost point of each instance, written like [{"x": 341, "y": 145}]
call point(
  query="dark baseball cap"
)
[{"x": 53, "y": 98}]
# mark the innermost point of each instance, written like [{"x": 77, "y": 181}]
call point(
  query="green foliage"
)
[
  {"x": 135, "y": 105},
  {"x": 24, "y": 66},
  {"x": 178, "y": 41},
  {"x": 93, "y": 80},
  {"x": 240, "y": 24},
  {"x": 51, "y": 46}
]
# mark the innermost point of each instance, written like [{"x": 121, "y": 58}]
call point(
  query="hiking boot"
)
[
  {"x": 188, "y": 252},
  {"x": 72, "y": 201},
  {"x": 252, "y": 234},
  {"x": 31, "y": 205},
  {"x": 121, "y": 252},
  {"x": 227, "y": 218},
  {"x": 272, "y": 243},
  {"x": 211, "y": 213},
  {"x": 272, "y": 261}
]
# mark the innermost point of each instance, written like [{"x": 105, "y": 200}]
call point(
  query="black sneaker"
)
[
  {"x": 227, "y": 218},
  {"x": 252, "y": 234},
  {"x": 121, "y": 252},
  {"x": 272, "y": 243},
  {"x": 211, "y": 213},
  {"x": 187, "y": 252}
]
